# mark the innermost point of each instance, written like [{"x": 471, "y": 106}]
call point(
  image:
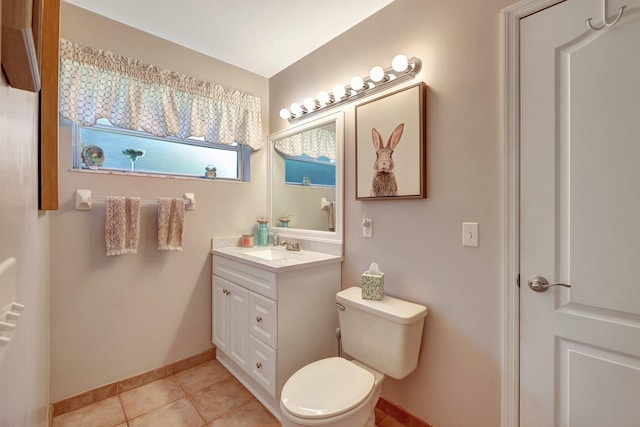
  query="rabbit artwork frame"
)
[{"x": 391, "y": 146}]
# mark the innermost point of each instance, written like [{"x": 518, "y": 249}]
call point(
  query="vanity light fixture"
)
[
  {"x": 401, "y": 70},
  {"x": 339, "y": 92},
  {"x": 377, "y": 74},
  {"x": 357, "y": 83}
]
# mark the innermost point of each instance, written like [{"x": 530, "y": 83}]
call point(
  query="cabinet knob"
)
[
  {"x": 258, "y": 319},
  {"x": 259, "y": 365}
]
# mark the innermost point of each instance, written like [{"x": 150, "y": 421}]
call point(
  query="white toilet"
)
[{"x": 383, "y": 337}]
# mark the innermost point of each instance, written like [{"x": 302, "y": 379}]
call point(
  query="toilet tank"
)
[{"x": 384, "y": 335}]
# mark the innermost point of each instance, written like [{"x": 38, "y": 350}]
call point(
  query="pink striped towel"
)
[
  {"x": 122, "y": 227},
  {"x": 170, "y": 223}
]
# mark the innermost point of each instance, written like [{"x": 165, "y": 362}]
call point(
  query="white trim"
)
[{"x": 511, "y": 138}]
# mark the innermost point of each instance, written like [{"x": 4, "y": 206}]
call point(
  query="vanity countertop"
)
[{"x": 275, "y": 258}]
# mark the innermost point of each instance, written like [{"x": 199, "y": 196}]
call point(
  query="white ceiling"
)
[{"x": 261, "y": 36}]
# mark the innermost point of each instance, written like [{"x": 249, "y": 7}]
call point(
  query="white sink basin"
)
[
  {"x": 276, "y": 258},
  {"x": 271, "y": 254}
]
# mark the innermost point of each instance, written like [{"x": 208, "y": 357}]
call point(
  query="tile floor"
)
[{"x": 205, "y": 395}]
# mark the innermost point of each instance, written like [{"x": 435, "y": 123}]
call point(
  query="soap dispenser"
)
[{"x": 262, "y": 236}]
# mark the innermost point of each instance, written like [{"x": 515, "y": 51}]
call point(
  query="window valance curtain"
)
[
  {"x": 315, "y": 143},
  {"x": 98, "y": 84}
]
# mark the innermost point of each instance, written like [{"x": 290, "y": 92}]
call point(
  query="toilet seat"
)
[{"x": 326, "y": 388}]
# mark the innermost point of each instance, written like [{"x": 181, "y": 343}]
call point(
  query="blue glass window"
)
[{"x": 164, "y": 156}]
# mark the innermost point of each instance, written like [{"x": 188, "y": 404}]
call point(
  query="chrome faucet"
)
[{"x": 290, "y": 246}]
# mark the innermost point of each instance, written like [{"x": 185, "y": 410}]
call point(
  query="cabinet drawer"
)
[
  {"x": 263, "y": 365},
  {"x": 263, "y": 319},
  {"x": 254, "y": 279}
]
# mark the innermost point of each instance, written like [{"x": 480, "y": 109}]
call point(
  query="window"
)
[
  {"x": 304, "y": 170},
  {"x": 164, "y": 156}
]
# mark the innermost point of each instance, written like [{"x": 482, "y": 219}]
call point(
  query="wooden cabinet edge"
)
[
  {"x": 19, "y": 52},
  {"x": 49, "y": 106}
]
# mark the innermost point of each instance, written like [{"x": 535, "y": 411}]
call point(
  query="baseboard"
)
[
  {"x": 398, "y": 413},
  {"x": 88, "y": 397}
]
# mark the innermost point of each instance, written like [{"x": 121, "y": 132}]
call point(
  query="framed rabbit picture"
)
[{"x": 391, "y": 146}]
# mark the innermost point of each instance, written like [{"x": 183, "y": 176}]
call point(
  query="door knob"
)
[{"x": 540, "y": 284}]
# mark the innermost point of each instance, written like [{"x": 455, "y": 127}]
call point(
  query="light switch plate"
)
[{"x": 470, "y": 234}]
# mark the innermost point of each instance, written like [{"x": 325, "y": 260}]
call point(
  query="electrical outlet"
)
[
  {"x": 470, "y": 234},
  {"x": 367, "y": 227}
]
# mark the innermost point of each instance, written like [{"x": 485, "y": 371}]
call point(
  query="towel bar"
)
[{"x": 84, "y": 200}]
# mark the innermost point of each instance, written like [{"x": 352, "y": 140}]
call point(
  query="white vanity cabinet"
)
[
  {"x": 269, "y": 322},
  {"x": 231, "y": 320}
]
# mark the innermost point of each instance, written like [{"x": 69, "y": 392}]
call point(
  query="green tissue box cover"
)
[{"x": 372, "y": 286}]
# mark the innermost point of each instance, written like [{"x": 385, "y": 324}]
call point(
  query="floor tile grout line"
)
[
  {"x": 193, "y": 403},
  {"x": 161, "y": 406},
  {"x": 233, "y": 409},
  {"x": 208, "y": 385},
  {"x": 126, "y": 419},
  {"x": 189, "y": 396}
]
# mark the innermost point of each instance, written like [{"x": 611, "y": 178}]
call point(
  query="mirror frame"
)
[{"x": 315, "y": 235}]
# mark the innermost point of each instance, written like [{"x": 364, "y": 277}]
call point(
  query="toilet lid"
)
[{"x": 326, "y": 388}]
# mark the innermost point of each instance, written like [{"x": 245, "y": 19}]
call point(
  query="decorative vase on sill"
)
[
  {"x": 262, "y": 236},
  {"x": 134, "y": 154},
  {"x": 92, "y": 156},
  {"x": 284, "y": 221}
]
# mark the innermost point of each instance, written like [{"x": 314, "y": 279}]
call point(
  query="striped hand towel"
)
[
  {"x": 122, "y": 227},
  {"x": 170, "y": 224}
]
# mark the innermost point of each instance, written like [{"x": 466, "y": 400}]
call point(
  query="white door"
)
[{"x": 580, "y": 216}]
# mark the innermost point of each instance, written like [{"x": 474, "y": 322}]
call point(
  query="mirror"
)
[{"x": 306, "y": 173}]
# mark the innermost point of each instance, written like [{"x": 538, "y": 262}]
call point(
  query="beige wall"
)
[
  {"x": 117, "y": 316},
  {"x": 418, "y": 242},
  {"x": 24, "y": 235},
  {"x": 113, "y": 317}
]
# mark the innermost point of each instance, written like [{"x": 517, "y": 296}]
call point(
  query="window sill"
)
[{"x": 150, "y": 175}]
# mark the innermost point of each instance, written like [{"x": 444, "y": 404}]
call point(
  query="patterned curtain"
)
[
  {"x": 98, "y": 84},
  {"x": 316, "y": 142}
]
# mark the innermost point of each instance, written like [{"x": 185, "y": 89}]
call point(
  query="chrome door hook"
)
[{"x": 604, "y": 18}]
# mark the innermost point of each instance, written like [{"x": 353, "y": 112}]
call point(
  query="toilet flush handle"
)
[{"x": 340, "y": 306}]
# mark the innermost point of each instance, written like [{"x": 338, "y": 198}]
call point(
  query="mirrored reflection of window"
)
[
  {"x": 310, "y": 156},
  {"x": 163, "y": 156},
  {"x": 303, "y": 170}
]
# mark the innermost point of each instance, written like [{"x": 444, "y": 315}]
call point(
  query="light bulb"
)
[
  {"x": 285, "y": 114},
  {"x": 376, "y": 74},
  {"x": 296, "y": 109},
  {"x": 338, "y": 92},
  {"x": 357, "y": 83},
  {"x": 399, "y": 63},
  {"x": 310, "y": 103},
  {"x": 323, "y": 97}
]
